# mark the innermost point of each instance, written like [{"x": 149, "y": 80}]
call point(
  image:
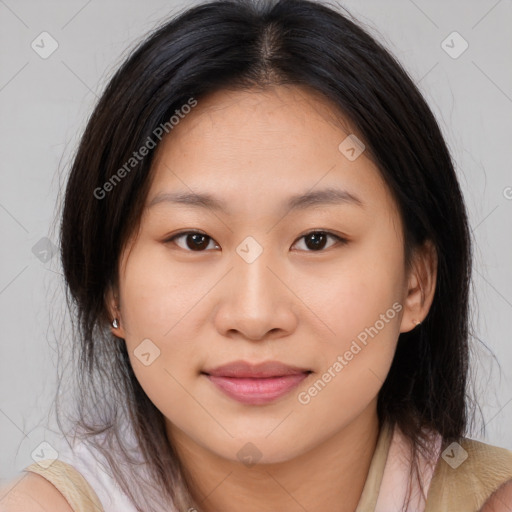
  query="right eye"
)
[{"x": 195, "y": 241}]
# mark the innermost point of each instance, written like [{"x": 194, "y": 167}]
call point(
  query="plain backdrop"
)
[{"x": 44, "y": 105}]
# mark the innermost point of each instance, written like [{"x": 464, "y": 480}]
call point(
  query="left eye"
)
[
  {"x": 198, "y": 242},
  {"x": 317, "y": 239}
]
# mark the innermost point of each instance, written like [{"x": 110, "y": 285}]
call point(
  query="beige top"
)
[{"x": 464, "y": 477}]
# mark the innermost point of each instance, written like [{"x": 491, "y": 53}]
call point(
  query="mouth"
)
[{"x": 256, "y": 384}]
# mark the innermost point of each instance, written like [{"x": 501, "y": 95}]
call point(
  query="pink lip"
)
[{"x": 256, "y": 384}]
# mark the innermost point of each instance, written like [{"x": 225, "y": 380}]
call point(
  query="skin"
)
[
  {"x": 32, "y": 492},
  {"x": 293, "y": 304},
  {"x": 500, "y": 500}
]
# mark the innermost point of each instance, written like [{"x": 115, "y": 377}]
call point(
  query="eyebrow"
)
[{"x": 324, "y": 197}]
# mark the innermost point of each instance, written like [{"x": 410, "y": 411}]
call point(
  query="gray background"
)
[{"x": 45, "y": 103}]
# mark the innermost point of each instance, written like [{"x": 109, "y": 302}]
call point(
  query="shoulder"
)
[
  {"x": 492, "y": 464},
  {"x": 32, "y": 493},
  {"x": 50, "y": 484},
  {"x": 500, "y": 500},
  {"x": 468, "y": 472}
]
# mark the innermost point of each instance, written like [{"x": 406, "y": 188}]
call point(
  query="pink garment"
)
[{"x": 393, "y": 489}]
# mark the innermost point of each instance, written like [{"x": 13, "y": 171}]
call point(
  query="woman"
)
[{"x": 268, "y": 253}]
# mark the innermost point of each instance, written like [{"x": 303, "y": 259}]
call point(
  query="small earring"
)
[
  {"x": 416, "y": 322},
  {"x": 115, "y": 324}
]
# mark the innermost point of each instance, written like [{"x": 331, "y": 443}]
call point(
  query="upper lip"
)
[{"x": 243, "y": 369}]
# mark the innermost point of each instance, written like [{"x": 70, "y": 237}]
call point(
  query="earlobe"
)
[
  {"x": 114, "y": 312},
  {"x": 116, "y": 328},
  {"x": 421, "y": 287}
]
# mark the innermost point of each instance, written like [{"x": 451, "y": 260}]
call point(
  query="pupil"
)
[
  {"x": 315, "y": 238},
  {"x": 197, "y": 237}
]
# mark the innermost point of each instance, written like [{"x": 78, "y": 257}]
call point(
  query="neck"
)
[{"x": 333, "y": 472}]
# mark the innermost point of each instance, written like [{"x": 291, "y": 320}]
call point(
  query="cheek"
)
[
  {"x": 156, "y": 295},
  {"x": 355, "y": 293},
  {"x": 362, "y": 306},
  {"x": 363, "y": 310},
  {"x": 158, "y": 318}
]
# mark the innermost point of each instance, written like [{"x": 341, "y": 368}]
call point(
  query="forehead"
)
[{"x": 253, "y": 147}]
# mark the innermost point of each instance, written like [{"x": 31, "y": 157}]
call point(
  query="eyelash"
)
[{"x": 341, "y": 240}]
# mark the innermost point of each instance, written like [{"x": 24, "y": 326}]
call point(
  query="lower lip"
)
[{"x": 257, "y": 391}]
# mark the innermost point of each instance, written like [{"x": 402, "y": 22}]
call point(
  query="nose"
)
[{"x": 256, "y": 302}]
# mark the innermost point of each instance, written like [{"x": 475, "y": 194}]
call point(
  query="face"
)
[{"x": 318, "y": 285}]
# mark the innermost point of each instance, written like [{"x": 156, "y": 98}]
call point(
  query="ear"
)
[
  {"x": 421, "y": 285},
  {"x": 114, "y": 311}
]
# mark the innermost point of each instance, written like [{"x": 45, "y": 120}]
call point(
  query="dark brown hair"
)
[{"x": 248, "y": 44}]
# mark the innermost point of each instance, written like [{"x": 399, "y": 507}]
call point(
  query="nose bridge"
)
[{"x": 252, "y": 276}]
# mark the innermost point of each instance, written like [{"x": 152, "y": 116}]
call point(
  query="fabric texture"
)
[
  {"x": 460, "y": 479},
  {"x": 70, "y": 483},
  {"x": 483, "y": 469}
]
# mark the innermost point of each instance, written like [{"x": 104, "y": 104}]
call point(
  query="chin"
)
[{"x": 251, "y": 450}]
